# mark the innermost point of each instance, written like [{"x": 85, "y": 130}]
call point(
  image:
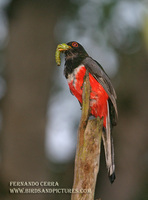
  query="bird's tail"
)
[{"x": 109, "y": 148}]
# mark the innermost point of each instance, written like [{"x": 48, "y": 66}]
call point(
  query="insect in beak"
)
[{"x": 61, "y": 48}]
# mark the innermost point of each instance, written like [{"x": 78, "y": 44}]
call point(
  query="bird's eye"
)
[{"x": 75, "y": 44}]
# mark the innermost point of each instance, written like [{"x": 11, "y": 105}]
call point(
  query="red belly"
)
[{"x": 98, "y": 96}]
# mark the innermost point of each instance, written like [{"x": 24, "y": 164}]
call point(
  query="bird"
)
[{"x": 102, "y": 95}]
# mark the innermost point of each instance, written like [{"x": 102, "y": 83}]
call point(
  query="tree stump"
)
[{"x": 88, "y": 150}]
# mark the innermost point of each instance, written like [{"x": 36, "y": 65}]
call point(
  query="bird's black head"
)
[
  {"x": 74, "y": 55},
  {"x": 75, "y": 50}
]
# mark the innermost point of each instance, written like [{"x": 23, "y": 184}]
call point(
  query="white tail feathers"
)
[{"x": 109, "y": 148}]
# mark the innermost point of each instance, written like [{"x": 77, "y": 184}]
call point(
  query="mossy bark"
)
[{"x": 88, "y": 150}]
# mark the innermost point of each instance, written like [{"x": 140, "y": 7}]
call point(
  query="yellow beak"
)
[{"x": 63, "y": 47}]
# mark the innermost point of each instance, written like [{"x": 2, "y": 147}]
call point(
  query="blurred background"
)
[{"x": 39, "y": 117}]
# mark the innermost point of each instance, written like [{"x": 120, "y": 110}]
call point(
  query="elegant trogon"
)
[{"x": 102, "y": 95}]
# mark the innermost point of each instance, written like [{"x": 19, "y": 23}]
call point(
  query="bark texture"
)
[{"x": 88, "y": 150}]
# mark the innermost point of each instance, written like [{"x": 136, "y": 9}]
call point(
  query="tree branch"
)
[{"x": 88, "y": 149}]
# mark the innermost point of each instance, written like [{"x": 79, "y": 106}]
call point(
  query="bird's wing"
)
[{"x": 99, "y": 74}]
